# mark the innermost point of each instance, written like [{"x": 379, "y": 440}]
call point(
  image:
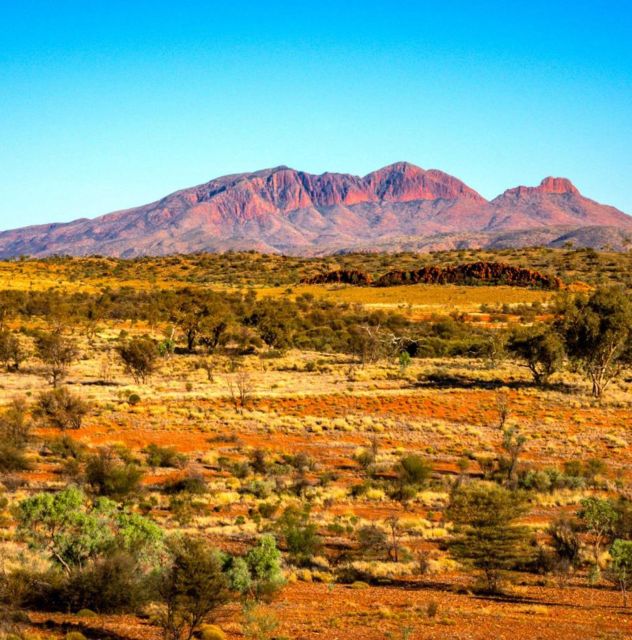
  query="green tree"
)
[
  {"x": 73, "y": 530},
  {"x": 57, "y": 352},
  {"x": 299, "y": 534},
  {"x": 620, "y": 569},
  {"x": 258, "y": 575},
  {"x": 542, "y": 352},
  {"x": 139, "y": 355},
  {"x": 600, "y": 518},
  {"x": 412, "y": 473},
  {"x": 597, "y": 332},
  {"x": 487, "y": 536},
  {"x": 191, "y": 588},
  {"x": 12, "y": 354}
]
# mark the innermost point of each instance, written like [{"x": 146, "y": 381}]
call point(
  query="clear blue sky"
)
[{"x": 107, "y": 104}]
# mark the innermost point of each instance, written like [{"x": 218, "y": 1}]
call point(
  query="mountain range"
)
[{"x": 281, "y": 210}]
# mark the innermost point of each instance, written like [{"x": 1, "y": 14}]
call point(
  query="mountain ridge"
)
[{"x": 288, "y": 211}]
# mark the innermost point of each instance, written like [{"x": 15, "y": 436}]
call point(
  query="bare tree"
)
[
  {"x": 504, "y": 410},
  {"x": 240, "y": 388}
]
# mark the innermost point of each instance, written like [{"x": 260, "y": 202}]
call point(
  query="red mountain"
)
[{"x": 283, "y": 210}]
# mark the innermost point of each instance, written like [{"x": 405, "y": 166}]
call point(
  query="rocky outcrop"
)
[
  {"x": 341, "y": 276},
  {"x": 282, "y": 210},
  {"x": 495, "y": 273}
]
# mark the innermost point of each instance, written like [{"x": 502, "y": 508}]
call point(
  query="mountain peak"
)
[
  {"x": 280, "y": 209},
  {"x": 557, "y": 185}
]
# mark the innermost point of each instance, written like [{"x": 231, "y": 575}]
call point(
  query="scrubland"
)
[{"x": 351, "y": 451}]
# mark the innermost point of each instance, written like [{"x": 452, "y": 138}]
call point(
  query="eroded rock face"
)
[
  {"x": 287, "y": 211},
  {"x": 470, "y": 274},
  {"x": 341, "y": 276}
]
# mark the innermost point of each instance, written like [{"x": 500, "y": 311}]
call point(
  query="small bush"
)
[
  {"x": 163, "y": 456},
  {"x": 61, "y": 408},
  {"x": 139, "y": 356},
  {"x": 211, "y": 632},
  {"x": 108, "y": 475}
]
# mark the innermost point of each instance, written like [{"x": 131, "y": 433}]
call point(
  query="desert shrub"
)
[
  {"x": 157, "y": 456},
  {"x": 191, "y": 482},
  {"x": 60, "y": 408},
  {"x": 67, "y": 448},
  {"x": 57, "y": 352},
  {"x": 210, "y": 632},
  {"x": 599, "y": 517},
  {"x": 258, "y": 574},
  {"x": 15, "y": 427},
  {"x": 12, "y": 354},
  {"x": 372, "y": 541},
  {"x": 109, "y": 584},
  {"x": 139, "y": 356},
  {"x": 12, "y": 458},
  {"x": 412, "y": 472},
  {"x": 191, "y": 588},
  {"x": 108, "y": 475},
  {"x": 299, "y": 534},
  {"x": 487, "y": 537}
]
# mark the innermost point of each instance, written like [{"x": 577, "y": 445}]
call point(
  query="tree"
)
[
  {"x": 15, "y": 426},
  {"x": 57, "y": 353},
  {"x": 513, "y": 443},
  {"x": 74, "y": 531},
  {"x": 487, "y": 537},
  {"x": 504, "y": 409},
  {"x": 276, "y": 322},
  {"x": 191, "y": 588},
  {"x": 404, "y": 361},
  {"x": 61, "y": 408},
  {"x": 412, "y": 473},
  {"x": 299, "y": 534},
  {"x": 202, "y": 319},
  {"x": 139, "y": 356},
  {"x": 240, "y": 388},
  {"x": 372, "y": 541},
  {"x": 567, "y": 546},
  {"x": 258, "y": 575},
  {"x": 620, "y": 569},
  {"x": 12, "y": 354},
  {"x": 597, "y": 332},
  {"x": 15, "y": 431},
  {"x": 542, "y": 351},
  {"x": 600, "y": 518}
]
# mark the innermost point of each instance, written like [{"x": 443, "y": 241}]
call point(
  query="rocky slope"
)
[{"x": 288, "y": 211}]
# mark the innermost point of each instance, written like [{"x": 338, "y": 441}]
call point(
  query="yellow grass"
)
[{"x": 421, "y": 296}]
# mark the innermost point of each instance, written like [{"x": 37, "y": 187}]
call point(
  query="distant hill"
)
[{"x": 281, "y": 210}]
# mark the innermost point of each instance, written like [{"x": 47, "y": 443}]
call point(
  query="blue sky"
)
[{"x": 109, "y": 104}]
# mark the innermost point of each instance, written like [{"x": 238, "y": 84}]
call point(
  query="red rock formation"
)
[
  {"x": 471, "y": 274},
  {"x": 341, "y": 276},
  {"x": 287, "y": 211}
]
